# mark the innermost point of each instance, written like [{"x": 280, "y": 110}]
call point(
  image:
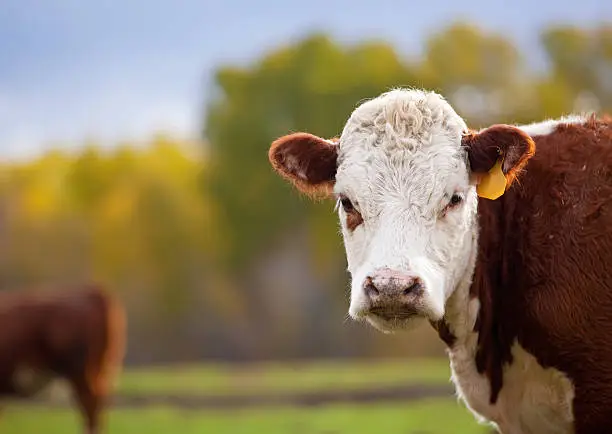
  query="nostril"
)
[
  {"x": 415, "y": 286},
  {"x": 369, "y": 288}
]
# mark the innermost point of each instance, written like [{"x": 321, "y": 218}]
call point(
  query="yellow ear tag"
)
[{"x": 493, "y": 184}]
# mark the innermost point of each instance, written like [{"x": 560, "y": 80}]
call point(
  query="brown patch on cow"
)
[
  {"x": 77, "y": 335},
  {"x": 307, "y": 161},
  {"x": 444, "y": 332},
  {"x": 511, "y": 144},
  {"x": 543, "y": 274}
]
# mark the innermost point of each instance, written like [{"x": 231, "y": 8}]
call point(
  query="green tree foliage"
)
[
  {"x": 580, "y": 76},
  {"x": 480, "y": 73},
  {"x": 463, "y": 55}
]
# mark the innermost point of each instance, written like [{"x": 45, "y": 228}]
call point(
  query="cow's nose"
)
[{"x": 388, "y": 286}]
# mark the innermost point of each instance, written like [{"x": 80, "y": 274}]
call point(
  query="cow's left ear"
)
[{"x": 497, "y": 155}]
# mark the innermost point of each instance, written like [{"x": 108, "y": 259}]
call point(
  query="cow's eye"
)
[
  {"x": 353, "y": 217},
  {"x": 456, "y": 199},
  {"x": 346, "y": 203}
]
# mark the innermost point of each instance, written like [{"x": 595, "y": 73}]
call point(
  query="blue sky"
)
[{"x": 72, "y": 70}]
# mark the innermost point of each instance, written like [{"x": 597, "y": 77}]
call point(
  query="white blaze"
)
[{"x": 400, "y": 162}]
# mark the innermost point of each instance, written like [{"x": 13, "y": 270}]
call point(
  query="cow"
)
[
  {"x": 501, "y": 238},
  {"x": 77, "y": 335}
]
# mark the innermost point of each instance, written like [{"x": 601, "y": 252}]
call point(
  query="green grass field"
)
[
  {"x": 427, "y": 417},
  {"x": 430, "y": 416},
  {"x": 278, "y": 378}
]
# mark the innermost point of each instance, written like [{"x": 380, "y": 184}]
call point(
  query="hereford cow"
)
[
  {"x": 501, "y": 238},
  {"x": 77, "y": 335}
]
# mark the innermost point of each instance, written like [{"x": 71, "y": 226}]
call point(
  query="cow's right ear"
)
[{"x": 308, "y": 161}]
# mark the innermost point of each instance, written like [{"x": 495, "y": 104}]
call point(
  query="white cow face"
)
[{"x": 404, "y": 173}]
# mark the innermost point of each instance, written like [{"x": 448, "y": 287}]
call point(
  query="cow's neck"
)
[{"x": 470, "y": 312}]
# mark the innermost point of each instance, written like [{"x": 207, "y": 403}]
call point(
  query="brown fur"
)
[
  {"x": 544, "y": 274},
  {"x": 77, "y": 335},
  {"x": 307, "y": 161}
]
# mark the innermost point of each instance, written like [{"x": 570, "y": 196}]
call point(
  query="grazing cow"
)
[
  {"x": 76, "y": 335},
  {"x": 501, "y": 238}
]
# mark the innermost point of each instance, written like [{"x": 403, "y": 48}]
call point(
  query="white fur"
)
[
  {"x": 546, "y": 127},
  {"x": 400, "y": 160}
]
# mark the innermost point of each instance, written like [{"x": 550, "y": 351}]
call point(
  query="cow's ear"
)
[
  {"x": 497, "y": 155},
  {"x": 308, "y": 161}
]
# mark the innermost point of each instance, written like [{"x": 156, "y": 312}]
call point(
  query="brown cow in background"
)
[{"x": 76, "y": 335}]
